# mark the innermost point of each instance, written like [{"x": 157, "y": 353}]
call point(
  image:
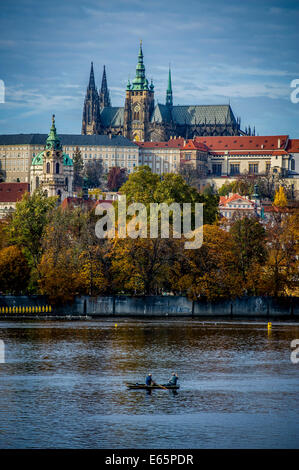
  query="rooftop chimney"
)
[{"x": 278, "y": 144}]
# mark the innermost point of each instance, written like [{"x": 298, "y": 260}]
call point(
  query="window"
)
[
  {"x": 57, "y": 168},
  {"x": 235, "y": 168},
  {"x": 216, "y": 168},
  {"x": 268, "y": 167},
  {"x": 253, "y": 168},
  {"x": 48, "y": 167}
]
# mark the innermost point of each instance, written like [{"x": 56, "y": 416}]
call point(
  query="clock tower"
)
[{"x": 139, "y": 104}]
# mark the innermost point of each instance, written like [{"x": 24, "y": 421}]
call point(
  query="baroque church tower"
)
[
  {"x": 91, "y": 120},
  {"x": 139, "y": 104},
  {"x": 51, "y": 169}
]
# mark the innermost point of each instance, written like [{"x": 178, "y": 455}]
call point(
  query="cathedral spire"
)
[
  {"x": 169, "y": 101},
  {"x": 91, "y": 123},
  {"x": 104, "y": 93},
  {"x": 91, "y": 78}
]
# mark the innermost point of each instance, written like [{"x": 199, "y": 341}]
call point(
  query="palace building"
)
[{"x": 142, "y": 120}]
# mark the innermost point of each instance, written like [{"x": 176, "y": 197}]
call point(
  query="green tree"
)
[
  {"x": 226, "y": 188},
  {"x": 93, "y": 171},
  {"x": 28, "y": 223},
  {"x": 146, "y": 187},
  {"x": 140, "y": 186}
]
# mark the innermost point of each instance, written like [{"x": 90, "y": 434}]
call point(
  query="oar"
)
[{"x": 162, "y": 386}]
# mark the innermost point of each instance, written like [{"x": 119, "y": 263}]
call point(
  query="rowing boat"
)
[{"x": 138, "y": 386}]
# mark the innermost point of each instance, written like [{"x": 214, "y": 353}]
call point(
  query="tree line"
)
[{"x": 45, "y": 249}]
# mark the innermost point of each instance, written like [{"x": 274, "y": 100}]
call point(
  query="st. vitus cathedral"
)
[{"x": 143, "y": 120}]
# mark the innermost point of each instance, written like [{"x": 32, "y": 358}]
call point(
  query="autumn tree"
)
[
  {"x": 210, "y": 271},
  {"x": 249, "y": 239},
  {"x": 59, "y": 264},
  {"x": 141, "y": 266},
  {"x": 280, "y": 199},
  {"x": 14, "y": 271},
  {"x": 116, "y": 178},
  {"x": 280, "y": 273}
]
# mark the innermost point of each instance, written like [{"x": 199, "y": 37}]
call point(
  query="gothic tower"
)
[
  {"x": 104, "y": 93},
  {"x": 139, "y": 104},
  {"x": 91, "y": 122},
  {"x": 169, "y": 100}
]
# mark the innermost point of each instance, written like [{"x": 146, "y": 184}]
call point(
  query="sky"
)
[{"x": 220, "y": 52}]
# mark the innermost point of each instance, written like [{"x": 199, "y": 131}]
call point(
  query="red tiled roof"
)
[
  {"x": 269, "y": 142},
  {"x": 13, "y": 192},
  {"x": 195, "y": 145},
  {"x": 293, "y": 145},
  {"x": 227, "y": 199},
  {"x": 172, "y": 143},
  {"x": 246, "y": 152}
]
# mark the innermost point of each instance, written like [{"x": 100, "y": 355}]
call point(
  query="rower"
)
[
  {"x": 173, "y": 379},
  {"x": 149, "y": 381}
]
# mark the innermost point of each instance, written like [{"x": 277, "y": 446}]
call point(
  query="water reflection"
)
[{"x": 64, "y": 384}]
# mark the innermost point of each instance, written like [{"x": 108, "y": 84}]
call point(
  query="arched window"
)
[
  {"x": 57, "y": 168},
  {"x": 59, "y": 194},
  {"x": 37, "y": 182},
  {"x": 48, "y": 167},
  {"x": 293, "y": 165},
  {"x": 66, "y": 183}
]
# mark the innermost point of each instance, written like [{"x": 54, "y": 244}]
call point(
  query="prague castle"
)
[{"x": 142, "y": 120}]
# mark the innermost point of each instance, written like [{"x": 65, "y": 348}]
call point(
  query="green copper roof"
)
[
  {"x": 140, "y": 82},
  {"x": 53, "y": 141},
  {"x": 39, "y": 159}
]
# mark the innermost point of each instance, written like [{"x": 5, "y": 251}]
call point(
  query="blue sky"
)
[{"x": 245, "y": 53}]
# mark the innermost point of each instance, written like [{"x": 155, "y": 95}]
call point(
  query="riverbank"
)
[{"x": 151, "y": 306}]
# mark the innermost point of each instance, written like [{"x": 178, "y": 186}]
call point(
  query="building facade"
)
[
  {"x": 17, "y": 151},
  {"x": 142, "y": 120},
  {"x": 216, "y": 159}
]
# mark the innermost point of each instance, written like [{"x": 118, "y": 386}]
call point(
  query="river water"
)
[{"x": 62, "y": 384}]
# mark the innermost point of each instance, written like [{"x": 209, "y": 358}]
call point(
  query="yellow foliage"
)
[{"x": 280, "y": 199}]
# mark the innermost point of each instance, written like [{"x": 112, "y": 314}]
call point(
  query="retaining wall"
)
[{"x": 151, "y": 306}]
